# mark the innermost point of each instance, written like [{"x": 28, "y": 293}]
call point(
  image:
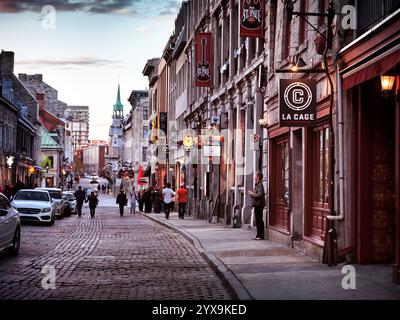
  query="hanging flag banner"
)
[
  {"x": 297, "y": 103},
  {"x": 203, "y": 60},
  {"x": 252, "y": 18}
]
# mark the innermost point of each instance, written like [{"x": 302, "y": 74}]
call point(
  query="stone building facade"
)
[
  {"x": 136, "y": 131},
  {"x": 19, "y": 128},
  {"x": 77, "y": 120},
  {"x": 35, "y": 84},
  {"x": 316, "y": 178}
]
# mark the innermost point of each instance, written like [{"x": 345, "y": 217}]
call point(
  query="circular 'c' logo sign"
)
[{"x": 298, "y": 96}]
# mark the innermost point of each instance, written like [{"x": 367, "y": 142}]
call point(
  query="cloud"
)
[
  {"x": 171, "y": 7},
  {"x": 145, "y": 8},
  {"x": 124, "y": 7},
  {"x": 143, "y": 29},
  {"x": 67, "y": 63}
]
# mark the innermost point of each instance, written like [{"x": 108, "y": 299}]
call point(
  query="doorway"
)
[{"x": 376, "y": 171}]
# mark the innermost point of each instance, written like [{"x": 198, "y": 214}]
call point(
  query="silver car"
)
[
  {"x": 10, "y": 228},
  {"x": 34, "y": 206},
  {"x": 56, "y": 196}
]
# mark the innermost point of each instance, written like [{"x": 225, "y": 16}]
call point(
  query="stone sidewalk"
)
[{"x": 266, "y": 270}]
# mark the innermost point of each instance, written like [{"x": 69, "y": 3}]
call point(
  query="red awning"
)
[{"x": 372, "y": 70}]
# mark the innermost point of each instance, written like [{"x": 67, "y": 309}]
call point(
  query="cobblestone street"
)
[{"x": 108, "y": 257}]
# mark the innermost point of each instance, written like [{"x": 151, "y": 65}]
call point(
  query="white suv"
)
[
  {"x": 56, "y": 196},
  {"x": 10, "y": 228},
  {"x": 34, "y": 205}
]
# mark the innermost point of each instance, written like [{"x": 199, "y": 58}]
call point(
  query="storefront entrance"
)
[
  {"x": 279, "y": 185},
  {"x": 375, "y": 170}
]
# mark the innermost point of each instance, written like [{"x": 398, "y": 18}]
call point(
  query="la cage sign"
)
[{"x": 297, "y": 103}]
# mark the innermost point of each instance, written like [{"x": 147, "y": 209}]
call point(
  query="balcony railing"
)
[{"x": 371, "y": 12}]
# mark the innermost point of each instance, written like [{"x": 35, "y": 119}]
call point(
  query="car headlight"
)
[{"x": 46, "y": 209}]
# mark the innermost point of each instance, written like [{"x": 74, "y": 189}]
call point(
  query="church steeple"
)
[{"x": 118, "y": 107}]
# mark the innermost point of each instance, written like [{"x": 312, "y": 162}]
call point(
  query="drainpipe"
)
[{"x": 340, "y": 217}]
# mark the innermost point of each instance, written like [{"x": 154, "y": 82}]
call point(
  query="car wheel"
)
[{"x": 14, "y": 250}]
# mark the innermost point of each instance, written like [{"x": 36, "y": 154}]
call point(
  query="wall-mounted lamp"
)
[
  {"x": 387, "y": 83},
  {"x": 31, "y": 170},
  {"x": 297, "y": 63},
  {"x": 10, "y": 161},
  {"x": 264, "y": 122}
]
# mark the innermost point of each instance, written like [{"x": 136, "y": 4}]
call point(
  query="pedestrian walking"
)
[
  {"x": 168, "y": 195},
  {"x": 98, "y": 189},
  {"x": 141, "y": 200},
  {"x": 182, "y": 194},
  {"x": 258, "y": 197},
  {"x": 80, "y": 197},
  {"x": 8, "y": 191},
  {"x": 121, "y": 201},
  {"x": 93, "y": 202},
  {"x": 147, "y": 200},
  {"x": 133, "y": 200},
  {"x": 157, "y": 199}
]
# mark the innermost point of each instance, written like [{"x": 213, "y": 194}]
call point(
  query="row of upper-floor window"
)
[
  {"x": 8, "y": 139},
  {"x": 25, "y": 142}
]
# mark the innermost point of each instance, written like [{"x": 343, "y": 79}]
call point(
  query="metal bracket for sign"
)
[{"x": 300, "y": 71}]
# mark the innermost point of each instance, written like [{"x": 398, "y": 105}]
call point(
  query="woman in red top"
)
[{"x": 182, "y": 194}]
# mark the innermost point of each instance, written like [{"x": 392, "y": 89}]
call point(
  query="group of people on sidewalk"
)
[{"x": 168, "y": 199}]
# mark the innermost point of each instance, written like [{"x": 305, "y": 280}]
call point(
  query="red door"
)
[
  {"x": 376, "y": 184},
  {"x": 279, "y": 204}
]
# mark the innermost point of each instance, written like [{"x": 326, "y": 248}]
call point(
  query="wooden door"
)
[
  {"x": 279, "y": 189},
  {"x": 376, "y": 176}
]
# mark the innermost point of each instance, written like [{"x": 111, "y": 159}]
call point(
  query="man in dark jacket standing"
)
[
  {"x": 258, "y": 197},
  {"x": 93, "y": 202},
  {"x": 121, "y": 201},
  {"x": 80, "y": 197}
]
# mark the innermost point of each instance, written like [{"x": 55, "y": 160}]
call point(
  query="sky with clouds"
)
[{"x": 87, "y": 46}]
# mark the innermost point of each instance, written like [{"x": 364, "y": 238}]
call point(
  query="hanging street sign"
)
[
  {"x": 252, "y": 18},
  {"x": 297, "y": 103},
  {"x": 212, "y": 151}
]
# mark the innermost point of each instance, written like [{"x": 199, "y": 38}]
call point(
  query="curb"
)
[{"x": 230, "y": 281}]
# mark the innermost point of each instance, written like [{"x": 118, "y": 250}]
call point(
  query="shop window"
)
[
  {"x": 145, "y": 113},
  {"x": 51, "y": 160},
  {"x": 321, "y": 166},
  {"x": 319, "y": 178}
]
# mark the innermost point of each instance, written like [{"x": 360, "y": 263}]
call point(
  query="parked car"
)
[
  {"x": 93, "y": 181},
  {"x": 10, "y": 227},
  {"x": 71, "y": 201},
  {"x": 34, "y": 206},
  {"x": 56, "y": 194}
]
